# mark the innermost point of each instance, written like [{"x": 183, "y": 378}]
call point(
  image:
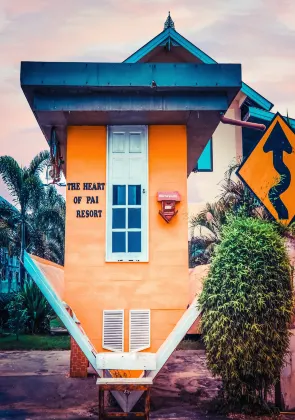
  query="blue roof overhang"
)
[{"x": 66, "y": 94}]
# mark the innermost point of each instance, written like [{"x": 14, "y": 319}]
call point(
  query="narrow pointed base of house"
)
[{"x": 78, "y": 362}]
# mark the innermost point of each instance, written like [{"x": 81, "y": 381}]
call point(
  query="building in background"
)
[
  {"x": 9, "y": 268},
  {"x": 9, "y": 272}
]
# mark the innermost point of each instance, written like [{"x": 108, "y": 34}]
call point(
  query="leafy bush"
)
[
  {"x": 38, "y": 309},
  {"x": 247, "y": 305},
  {"x": 18, "y": 315},
  {"x": 5, "y": 299}
]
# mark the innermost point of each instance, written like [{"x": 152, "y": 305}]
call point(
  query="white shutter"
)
[
  {"x": 113, "y": 330},
  {"x": 139, "y": 329}
]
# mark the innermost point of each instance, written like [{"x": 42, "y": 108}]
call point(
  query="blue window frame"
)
[
  {"x": 126, "y": 218},
  {"x": 205, "y": 161}
]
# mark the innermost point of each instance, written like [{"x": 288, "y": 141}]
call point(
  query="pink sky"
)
[{"x": 260, "y": 34}]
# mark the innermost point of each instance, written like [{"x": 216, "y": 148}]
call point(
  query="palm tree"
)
[
  {"x": 205, "y": 232},
  {"x": 47, "y": 227},
  {"x": 26, "y": 188},
  {"x": 235, "y": 198}
]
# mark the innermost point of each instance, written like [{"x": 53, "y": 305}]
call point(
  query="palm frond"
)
[
  {"x": 8, "y": 212},
  {"x": 32, "y": 192},
  {"x": 12, "y": 175},
  {"x": 232, "y": 169},
  {"x": 54, "y": 251},
  {"x": 38, "y": 163}
]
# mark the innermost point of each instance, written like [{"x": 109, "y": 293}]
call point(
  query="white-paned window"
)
[
  {"x": 127, "y": 194},
  {"x": 139, "y": 329},
  {"x": 113, "y": 330}
]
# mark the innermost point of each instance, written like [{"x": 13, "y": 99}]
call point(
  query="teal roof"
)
[
  {"x": 171, "y": 35},
  {"x": 261, "y": 114}
]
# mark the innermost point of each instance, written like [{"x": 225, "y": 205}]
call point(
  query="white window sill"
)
[{"x": 126, "y": 261}]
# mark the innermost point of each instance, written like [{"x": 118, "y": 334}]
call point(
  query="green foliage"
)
[
  {"x": 56, "y": 323},
  {"x": 37, "y": 222},
  {"x": 210, "y": 220},
  {"x": 18, "y": 315},
  {"x": 38, "y": 309},
  {"x": 47, "y": 226},
  {"x": 235, "y": 199},
  {"x": 5, "y": 299},
  {"x": 247, "y": 305}
]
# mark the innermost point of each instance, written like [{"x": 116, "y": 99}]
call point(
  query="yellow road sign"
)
[{"x": 269, "y": 171}]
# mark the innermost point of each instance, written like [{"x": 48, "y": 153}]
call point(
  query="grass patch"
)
[
  {"x": 34, "y": 342},
  {"x": 56, "y": 323}
]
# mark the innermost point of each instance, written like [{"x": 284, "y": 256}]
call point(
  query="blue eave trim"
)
[
  {"x": 206, "y": 59},
  {"x": 256, "y": 97},
  {"x": 192, "y": 48},
  {"x": 266, "y": 116},
  {"x": 139, "y": 102},
  {"x": 136, "y": 75},
  {"x": 155, "y": 42}
]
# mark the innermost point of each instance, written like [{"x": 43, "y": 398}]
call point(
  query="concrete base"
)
[{"x": 35, "y": 385}]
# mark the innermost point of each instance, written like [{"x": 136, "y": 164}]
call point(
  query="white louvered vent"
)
[
  {"x": 113, "y": 330},
  {"x": 140, "y": 329}
]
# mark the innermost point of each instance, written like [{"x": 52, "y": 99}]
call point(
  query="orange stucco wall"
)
[{"x": 91, "y": 284}]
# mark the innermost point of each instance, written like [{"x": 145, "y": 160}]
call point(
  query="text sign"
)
[
  {"x": 89, "y": 199},
  {"x": 168, "y": 196},
  {"x": 89, "y": 186},
  {"x": 269, "y": 170}
]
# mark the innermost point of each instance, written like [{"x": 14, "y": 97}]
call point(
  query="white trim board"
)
[
  {"x": 126, "y": 361},
  {"x": 124, "y": 381}
]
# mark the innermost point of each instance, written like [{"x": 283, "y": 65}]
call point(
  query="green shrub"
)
[
  {"x": 38, "y": 309},
  {"x": 5, "y": 299},
  {"x": 18, "y": 315},
  {"x": 247, "y": 305}
]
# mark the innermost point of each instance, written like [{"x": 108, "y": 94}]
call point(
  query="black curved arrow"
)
[{"x": 278, "y": 143}]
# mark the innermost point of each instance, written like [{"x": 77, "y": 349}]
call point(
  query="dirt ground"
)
[{"x": 36, "y": 385}]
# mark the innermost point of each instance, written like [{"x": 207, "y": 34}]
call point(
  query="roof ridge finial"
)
[{"x": 169, "y": 22}]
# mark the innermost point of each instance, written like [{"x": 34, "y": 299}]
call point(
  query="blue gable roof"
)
[{"x": 171, "y": 35}]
